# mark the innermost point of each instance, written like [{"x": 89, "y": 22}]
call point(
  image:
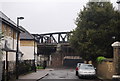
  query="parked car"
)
[
  {"x": 86, "y": 70},
  {"x": 77, "y": 67}
]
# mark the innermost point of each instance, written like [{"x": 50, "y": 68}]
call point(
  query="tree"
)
[{"x": 96, "y": 24}]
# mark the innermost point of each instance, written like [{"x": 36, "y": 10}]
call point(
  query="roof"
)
[
  {"x": 8, "y": 21},
  {"x": 26, "y": 35}
]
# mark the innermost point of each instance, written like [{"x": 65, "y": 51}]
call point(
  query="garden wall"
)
[{"x": 105, "y": 69}]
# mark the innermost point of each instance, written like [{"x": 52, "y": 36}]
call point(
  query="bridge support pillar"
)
[{"x": 57, "y": 58}]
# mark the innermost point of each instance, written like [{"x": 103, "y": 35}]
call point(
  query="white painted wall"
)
[
  {"x": 11, "y": 55},
  {"x": 28, "y": 52}
]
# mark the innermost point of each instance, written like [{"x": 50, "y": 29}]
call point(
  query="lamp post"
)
[
  {"x": 34, "y": 55},
  {"x": 17, "y": 48}
]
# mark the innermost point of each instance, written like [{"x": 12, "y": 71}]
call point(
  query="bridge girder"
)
[
  {"x": 47, "y": 43},
  {"x": 53, "y": 38}
]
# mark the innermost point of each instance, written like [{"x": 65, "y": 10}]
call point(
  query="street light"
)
[
  {"x": 20, "y": 17},
  {"x": 17, "y": 49},
  {"x": 118, "y": 1},
  {"x": 34, "y": 55}
]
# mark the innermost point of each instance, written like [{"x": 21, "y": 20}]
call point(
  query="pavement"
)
[
  {"x": 102, "y": 79},
  {"x": 34, "y": 76}
]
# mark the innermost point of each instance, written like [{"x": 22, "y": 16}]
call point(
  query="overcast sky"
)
[{"x": 45, "y": 16}]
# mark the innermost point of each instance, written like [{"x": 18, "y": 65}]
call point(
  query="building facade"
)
[
  {"x": 28, "y": 45},
  {"x": 9, "y": 31}
]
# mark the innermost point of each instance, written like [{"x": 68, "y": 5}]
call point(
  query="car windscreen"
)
[{"x": 86, "y": 67}]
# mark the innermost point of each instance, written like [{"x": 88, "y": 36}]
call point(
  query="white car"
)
[{"x": 86, "y": 70}]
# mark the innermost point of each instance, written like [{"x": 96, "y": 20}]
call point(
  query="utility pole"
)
[{"x": 17, "y": 48}]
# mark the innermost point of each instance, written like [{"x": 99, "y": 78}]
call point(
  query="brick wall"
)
[
  {"x": 57, "y": 60},
  {"x": 105, "y": 69}
]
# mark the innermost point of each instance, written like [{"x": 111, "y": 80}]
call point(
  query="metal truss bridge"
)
[
  {"x": 53, "y": 38},
  {"x": 47, "y": 43}
]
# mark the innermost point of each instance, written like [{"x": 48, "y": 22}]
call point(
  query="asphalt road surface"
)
[{"x": 65, "y": 75}]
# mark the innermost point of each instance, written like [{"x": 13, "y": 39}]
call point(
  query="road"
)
[{"x": 64, "y": 75}]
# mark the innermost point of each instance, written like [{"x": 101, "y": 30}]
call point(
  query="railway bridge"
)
[{"x": 55, "y": 50}]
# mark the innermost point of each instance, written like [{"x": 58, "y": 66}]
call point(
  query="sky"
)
[{"x": 45, "y": 16}]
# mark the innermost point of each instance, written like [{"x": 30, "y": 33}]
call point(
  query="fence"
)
[{"x": 25, "y": 66}]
